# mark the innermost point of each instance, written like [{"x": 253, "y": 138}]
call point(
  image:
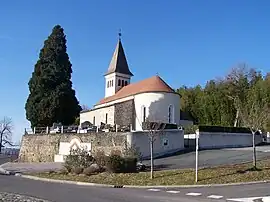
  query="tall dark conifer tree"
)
[{"x": 51, "y": 97}]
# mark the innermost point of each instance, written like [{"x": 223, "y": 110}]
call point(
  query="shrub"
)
[
  {"x": 130, "y": 165},
  {"x": 118, "y": 164},
  {"x": 133, "y": 152},
  {"x": 78, "y": 158},
  {"x": 100, "y": 158},
  {"x": 116, "y": 152},
  {"x": 115, "y": 163},
  {"x": 77, "y": 170}
]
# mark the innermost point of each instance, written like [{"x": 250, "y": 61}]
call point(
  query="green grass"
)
[{"x": 215, "y": 175}]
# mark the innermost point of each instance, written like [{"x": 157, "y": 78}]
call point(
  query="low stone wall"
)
[{"x": 44, "y": 147}]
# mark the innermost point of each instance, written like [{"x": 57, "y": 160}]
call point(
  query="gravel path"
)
[{"x": 10, "y": 197}]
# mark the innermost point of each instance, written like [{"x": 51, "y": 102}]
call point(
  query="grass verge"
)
[{"x": 214, "y": 175}]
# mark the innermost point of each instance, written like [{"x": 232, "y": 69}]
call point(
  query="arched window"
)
[
  {"x": 170, "y": 114},
  {"x": 122, "y": 83},
  {"x": 106, "y": 118},
  {"x": 108, "y": 84},
  {"x": 119, "y": 82},
  {"x": 112, "y": 82},
  {"x": 125, "y": 83},
  {"x": 94, "y": 120},
  {"x": 143, "y": 113}
]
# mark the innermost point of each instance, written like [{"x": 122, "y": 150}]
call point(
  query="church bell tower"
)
[{"x": 118, "y": 74}]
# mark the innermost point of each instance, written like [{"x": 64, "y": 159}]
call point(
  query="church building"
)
[{"x": 130, "y": 104}]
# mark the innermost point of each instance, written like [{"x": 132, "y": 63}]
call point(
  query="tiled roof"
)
[
  {"x": 153, "y": 84},
  {"x": 119, "y": 62}
]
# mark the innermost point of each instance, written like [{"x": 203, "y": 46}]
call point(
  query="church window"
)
[
  {"x": 143, "y": 114},
  {"x": 170, "y": 114},
  {"x": 108, "y": 84},
  {"x": 119, "y": 82},
  {"x": 122, "y": 83},
  {"x": 94, "y": 120},
  {"x": 106, "y": 118},
  {"x": 125, "y": 83},
  {"x": 112, "y": 82}
]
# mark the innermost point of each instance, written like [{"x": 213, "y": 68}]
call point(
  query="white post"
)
[
  {"x": 47, "y": 129},
  {"x": 197, "y": 148},
  {"x": 34, "y": 130},
  {"x": 62, "y": 129},
  {"x": 116, "y": 128}
]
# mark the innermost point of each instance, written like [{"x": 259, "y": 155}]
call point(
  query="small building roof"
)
[
  {"x": 119, "y": 63},
  {"x": 152, "y": 84}
]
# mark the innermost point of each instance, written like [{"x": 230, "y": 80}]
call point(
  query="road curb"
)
[
  {"x": 138, "y": 187},
  {"x": 196, "y": 186},
  {"x": 66, "y": 181}
]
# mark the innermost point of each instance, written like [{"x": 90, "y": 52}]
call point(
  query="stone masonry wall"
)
[
  {"x": 43, "y": 147},
  {"x": 124, "y": 113}
]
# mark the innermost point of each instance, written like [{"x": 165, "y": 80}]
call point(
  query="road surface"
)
[
  {"x": 208, "y": 158},
  {"x": 71, "y": 193}
]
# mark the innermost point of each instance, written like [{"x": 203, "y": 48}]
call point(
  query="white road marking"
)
[
  {"x": 266, "y": 199},
  {"x": 153, "y": 189},
  {"x": 215, "y": 196},
  {"x": 250, "y": 199},
  {"x": 193, "y": 194},
  {"x": 173, "y": 192}
]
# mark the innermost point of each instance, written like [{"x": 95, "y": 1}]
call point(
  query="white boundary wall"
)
[
  {"x": 168, "y": 141},
  {"x": 211, "y": 140}
]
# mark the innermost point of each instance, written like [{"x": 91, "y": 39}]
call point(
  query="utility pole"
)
[{"x": 197, "y": 148}]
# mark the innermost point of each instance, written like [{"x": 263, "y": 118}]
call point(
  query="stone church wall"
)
[
  {"x": 43, "y": 147},
  {"x": 124, "y": 113}
]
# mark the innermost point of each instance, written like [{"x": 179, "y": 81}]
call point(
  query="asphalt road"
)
[
  {"x": 73, "y": 193},
  {"x": 208, "y": 158}
]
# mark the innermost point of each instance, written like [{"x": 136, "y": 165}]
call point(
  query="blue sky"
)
[{"x": 185, "y": 42}]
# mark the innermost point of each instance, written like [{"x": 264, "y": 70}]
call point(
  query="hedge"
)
[{"x": 204, "y": 128}]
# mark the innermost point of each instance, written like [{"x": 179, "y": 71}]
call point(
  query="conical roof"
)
[{"x": 119, "y": 63}]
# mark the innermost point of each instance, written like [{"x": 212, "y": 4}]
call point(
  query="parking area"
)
[{"x": 208, "y": 158}]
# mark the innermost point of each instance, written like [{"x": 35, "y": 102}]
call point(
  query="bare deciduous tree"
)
[
  {"x": 153, "y": 129},
  {"x": 6, "y": 127},
  {"x": 255, "y": 116}
]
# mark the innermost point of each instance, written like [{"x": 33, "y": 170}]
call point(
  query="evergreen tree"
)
[{"x": 52, "y": 99}]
